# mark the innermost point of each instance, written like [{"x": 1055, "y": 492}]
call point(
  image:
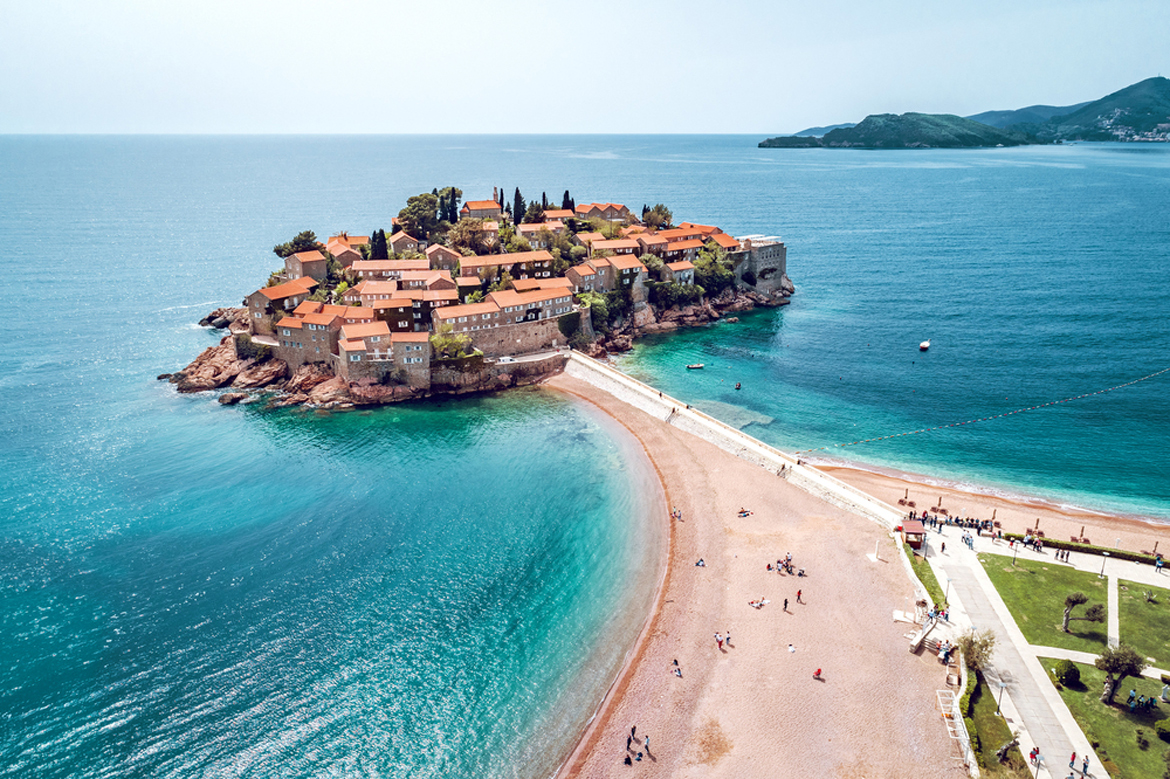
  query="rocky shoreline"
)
[{"x": 315, "y": 386}]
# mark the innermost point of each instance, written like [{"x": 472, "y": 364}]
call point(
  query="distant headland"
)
[
  {"x": 1138, "y": 113},
  {"x": 475, "y": 297}
]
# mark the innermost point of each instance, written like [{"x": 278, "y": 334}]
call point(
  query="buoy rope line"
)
[{"x": 988, "y": 419}]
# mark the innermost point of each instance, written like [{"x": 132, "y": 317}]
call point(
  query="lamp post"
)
[
  {"x": 1104, "y": 557},
  {"x": 1002, "y": 687}
]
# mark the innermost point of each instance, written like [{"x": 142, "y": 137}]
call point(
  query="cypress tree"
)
[
  {"x": 518, "y": 206},
  {"x": 566, "y": 203},
  {"x": 501, "y": 197},
  {"x": 543, "y": 202}
]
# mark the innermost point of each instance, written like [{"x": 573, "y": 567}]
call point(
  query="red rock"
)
[
  {"x": 260, "y": 375},
  {"x": 307, "y": 377}
]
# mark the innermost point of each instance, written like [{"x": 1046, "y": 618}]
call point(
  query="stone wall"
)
[
  {"x": 521, "y": 338},
  {"x": 768, "y": 261}
]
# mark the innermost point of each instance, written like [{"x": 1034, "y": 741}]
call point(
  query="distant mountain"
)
[
  {"x": 1033, "y": 114},
  {"x": 907, "y": 131},
  {"x": 819, "y": 131},
  {"x": 1140, "y": 112}
]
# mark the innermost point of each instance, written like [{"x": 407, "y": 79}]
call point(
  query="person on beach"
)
[
  {"x": 727, "y": 638},
  {"x": 629, "y": 740},
  {"x": 1085, "y": 766},
  {"x": 719, "y": 641},
  {"x": 798, "y": 594},
  {"x": 786, "y": 604},
  {"x": 817, "y": 674},
  {"x": 628, "y": 761}
]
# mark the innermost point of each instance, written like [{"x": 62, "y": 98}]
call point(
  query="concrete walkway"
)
[{"x": 1031, "y": 703}]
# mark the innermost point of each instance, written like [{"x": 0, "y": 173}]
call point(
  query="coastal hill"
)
[
  {"x": 1139, "y": 112},
  {"x": 908, "y": 131}
]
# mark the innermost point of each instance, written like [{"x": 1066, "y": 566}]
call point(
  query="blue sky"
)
[{"x": 455, "y": 66}]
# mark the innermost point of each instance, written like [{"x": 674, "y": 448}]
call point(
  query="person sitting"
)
[{"x": 700, "y": 563}]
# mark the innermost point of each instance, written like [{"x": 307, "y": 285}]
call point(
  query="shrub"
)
[
  {"x": 246, "y": 349},
  {"x": 1067, "y": 673},
  {"x": 1116, "y": 554},
  {"x": 569, "y": 324},
  {"x": 580, "y": 341},
  {"x": 1162, "y": 728}
]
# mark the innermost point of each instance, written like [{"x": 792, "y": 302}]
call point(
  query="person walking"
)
[
  {"x": 646, "y": 744},
  {"x": 798, "y": 594},
  {"x": 786, "y": 604},
  {"x": 727, "y": 638},
  {"x": 633, "y": 731},
  {"x": 1085, "y": 766},
  {"x": 719, "y": 641}
]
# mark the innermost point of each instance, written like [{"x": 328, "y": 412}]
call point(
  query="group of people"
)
[
  {"x": 1140, "y": 702},
  {"x": 632, "y": 754},
  {"x": 934, "y": 521},
  {"x": 943, "y": 614},
  {"x": 758, "y": 604},
  {"x": 945, "y": 649},
  {"x": 784, "y": 565},
  {"x": 675, "y": 514}
]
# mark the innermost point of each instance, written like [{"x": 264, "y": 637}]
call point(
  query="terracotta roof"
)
[
  {"x": 304, "y": 282},
  {"x": 356, "y": 345},
  {"x": 625, "y": 262},
  {"x": 410, "y": 338},
  {"x": 310, "y": 256},
  {"x": 350, "y": 240},
  {"x": 613, "y": 245},
  {"x": 599, "y": 262},
  {"x": 321, "y": 319},
  {"x": 535, "y": 227},
  {"x": 684, "y": 245},
  {"x": 308, "y": 307},
  {"x": 468, "y": 281},
  {"x": 558, "y": 213},
  {"x": 678, "y": 234},
  {"x": 582, "y": 270},
  {"x": 290, "y": 321},
  {"x": 725, "y": 240},
  {"x": 481, "y": 205},
  {"x": 496, "y": 260},
  {"x": 704, "y": 229},
  {"x": 510, "y": 297},
  {"x": 523, "y": 285},
  {"x": 398, "y": 302},
  {"x": 468, "y": 309},
  {"x": 336, "y": 310},
  {"x": 388, "y": 265},
  {"x": 590, "y": 237},
  {"x": 647, "y": 239},
  {"x": 291, "y": 289},
  {"x": 376, "y": 287},
  {"x": 681, "y": 265},
  {"x": 357, "y": 312},
  {"x": 365, "y": 330},
  {"x": 401, "y": 236},
  {"x": 437, "y": 248}
]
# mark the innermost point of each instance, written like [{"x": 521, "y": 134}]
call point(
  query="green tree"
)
[
  {"x": 713, "y": 269},
  {"x": 476, "y": 297},
  {"x": 447, "y": 343},
  {"x": 534, "y": 213},
  {"x": 658, "y": 216},
  {"x": 543, "y": 201},
  {"x": 468, "y": 234},
  {"x": 976, "y": 648},
  {"x": 1118, "y": 662},
  {"x": 379, "y": 249},
  {"x": 652, "y": 262},
  {"x": 1095, "y": 613},
  {"x": 504, "y": 281},
  {"x": 517, "y": 206},
  {"x": 566, "y": 202},
  {"x": 421, "y": 215},
  {"x": 599, "y": 307},
  {"x": 449, "y": 198},
  {"x": 302, "y": 242}
]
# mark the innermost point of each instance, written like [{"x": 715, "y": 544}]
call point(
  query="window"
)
[
  {"x": 375, "y": 338},
  {"x": 286, "y": 332},
  {"x": 355, "y": 358}
]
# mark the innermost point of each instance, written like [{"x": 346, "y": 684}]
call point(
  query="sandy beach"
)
[
  {"x": 1015, "y": 514},
  {"x": 753, "y": 708}
]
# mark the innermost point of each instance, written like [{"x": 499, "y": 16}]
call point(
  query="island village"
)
[{"x": 489, "y": 298}]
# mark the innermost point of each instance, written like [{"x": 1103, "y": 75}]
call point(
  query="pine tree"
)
[
  {"x": 518, "y": 207},
  {"x": 566, "y": 203}
]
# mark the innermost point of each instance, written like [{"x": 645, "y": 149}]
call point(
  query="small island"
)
[{"x": 475, "y": 296}]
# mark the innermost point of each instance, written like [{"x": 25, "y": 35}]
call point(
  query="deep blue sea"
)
[{"x": 447, "y": 588}]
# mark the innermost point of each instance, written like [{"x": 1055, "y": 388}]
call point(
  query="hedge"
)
[
  {"x": 1119, "y": 554},
  {"x": 1066, "y": 672}
]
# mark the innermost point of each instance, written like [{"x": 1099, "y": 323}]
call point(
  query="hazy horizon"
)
[{"x": 457, "y": 67}]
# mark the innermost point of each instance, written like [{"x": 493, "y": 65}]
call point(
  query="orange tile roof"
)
[
  {"x": 590, "y": 237},
  {"x": 481, "y": 205},
  {"x": 349, "y": 240},
  {"x": 468, "y": 281},
  {"x": 398, "y": 338},
  {"x": 321, "y": 319},
  {"x": 625, "y": 262},
  {"x": 310, "y": 256},
  {"x": 681, "y": 265},
  {"x": 583, "y": 270},
  {"x": 725, "y": 240},
  {"x": 390, "y": 265},
  {"x": 336, "y": 310},
  {"x": 467, "y": 309},
  {"x": 365, "y": 330},
  {"x": 704, "y": 229},
  {"x": 599, "y": 262},
  {"x": 356, "y": 345},
  {"x": 357, "y": 312},
  {"x": 620, "y": 243},
  {"x": 291, "y": 289},
  {"x": 438, "y": 248},
  {"x": 684, "y": 245},
  {"x": 290, "y": 321},
  {"x": 376, "y": 287},
  {"x": 510, "y": 297},
  {"x": 558, "y": 213},
  {"x": 523, "y": 285},
  {"x": 398, "y": 302},
  {"x": 399, "y": 236},
  {"x": 308, "y": 307},
  {"x": 679, "y": 234},
  {"x": 305, "y": 282},
  {"x": 497, "y": 260},
  {"x": 650, "y": 239}
]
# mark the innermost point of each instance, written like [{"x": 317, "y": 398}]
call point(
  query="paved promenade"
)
[{"x": 1031, "y": 703}]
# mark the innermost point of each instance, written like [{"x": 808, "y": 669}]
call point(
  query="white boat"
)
[{"x": 922, "y": 347}]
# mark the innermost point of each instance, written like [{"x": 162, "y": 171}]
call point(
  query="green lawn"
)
[
  {"x": 1145, "y": 626},
  {"x": 926, "y": 575},
  {"x": 1112, "y": 729},
  {"x": 993, "y": 733},
  {"x": 1034, "y": 593}
]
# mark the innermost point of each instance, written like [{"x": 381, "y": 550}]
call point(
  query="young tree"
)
[
  {"x": 517, "y": 206},
  {"x": 1118, "y": 662},
  {"x": 302, "y": 242},
  {"x": 976, "y": 648},
  {"x": 420, "y": 217},
  {"x": 1095, "y": 613},
  {"x": 566, "y": 202},
  {"x": 713, "y": 269},
  {"x": 447, "y": 343}
]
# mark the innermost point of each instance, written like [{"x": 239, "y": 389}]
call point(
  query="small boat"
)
[
  {"x": 922, "y": 347},
  {"x": 695, "y": 367}
]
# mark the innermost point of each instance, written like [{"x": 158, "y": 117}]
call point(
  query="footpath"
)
[{"x": 1030, "y": 702}]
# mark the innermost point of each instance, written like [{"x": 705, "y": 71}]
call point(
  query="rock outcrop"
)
[
  {"x": 232, "y": 398},
  {"x": 254, "y": 375},
  {"x": 223, "y": 317},
  {"x": 333, "y": 393},
  {"x": 307, "y": 377},
  {"x": 220, "y": 366}
]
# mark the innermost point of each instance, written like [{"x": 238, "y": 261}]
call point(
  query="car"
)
[{"x": 506, "y": 358}]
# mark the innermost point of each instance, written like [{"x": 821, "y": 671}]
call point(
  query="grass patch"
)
[
  {"x": 1112, "y": 729},
  {"x": 993, "y": 732},
  {"x": 925, "y": 575},
  {"x": 1034, "y": 593},
  {"x": 1145, "y": 626}
]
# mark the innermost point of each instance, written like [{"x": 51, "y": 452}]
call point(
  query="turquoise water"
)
[{"x": 443, "y": 589}]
